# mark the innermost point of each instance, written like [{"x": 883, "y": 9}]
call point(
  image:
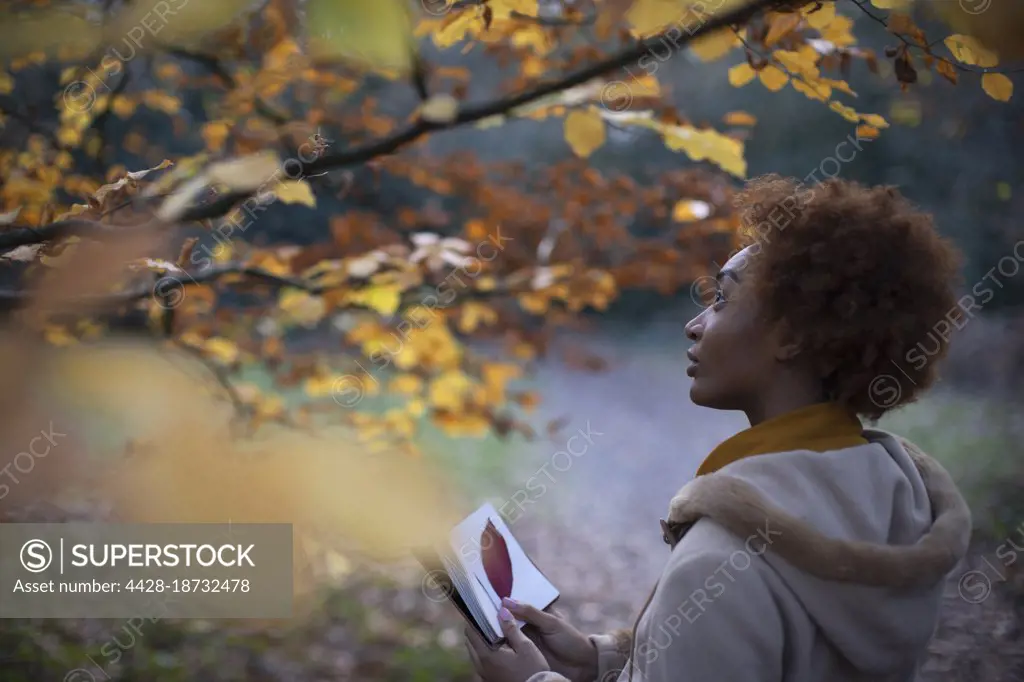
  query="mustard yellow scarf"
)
[{"x": 819, "y": 428}]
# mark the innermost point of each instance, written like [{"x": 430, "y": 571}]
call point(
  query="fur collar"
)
[{"x": 738, "y": 507}]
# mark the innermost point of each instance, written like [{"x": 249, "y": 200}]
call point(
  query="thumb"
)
[{"x": 516, "y": 639}]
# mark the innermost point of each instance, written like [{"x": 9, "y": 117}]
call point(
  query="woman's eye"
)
[{"x": 719, "y": 300}]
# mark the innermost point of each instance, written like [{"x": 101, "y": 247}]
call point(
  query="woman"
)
[{"x": 807, "y": 547}]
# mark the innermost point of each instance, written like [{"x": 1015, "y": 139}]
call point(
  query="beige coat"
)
[{"x": 797, "y": 567}]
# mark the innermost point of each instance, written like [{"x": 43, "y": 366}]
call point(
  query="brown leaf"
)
[{"x": 905, "y": 71}]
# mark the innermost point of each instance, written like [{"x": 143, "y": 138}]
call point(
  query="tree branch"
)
[
  {"x": 167, "y": 286},
  {"x": 412, "y": 132},
  {"x": 21, "y": 236},
  {"x": 471, "y": 114}
]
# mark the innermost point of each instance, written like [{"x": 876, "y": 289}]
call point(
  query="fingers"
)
[
  {"x": 545, "y": 622},
  {"x": 477, "y": 646},
  {"x": 516, "y": 639},
  {"x": 473, "y": 657}
]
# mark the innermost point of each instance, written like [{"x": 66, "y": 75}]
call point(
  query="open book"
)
[{"x": 482, "y": 563}]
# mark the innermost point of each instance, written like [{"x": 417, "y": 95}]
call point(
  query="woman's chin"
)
[{"x": 697, "y": 394}]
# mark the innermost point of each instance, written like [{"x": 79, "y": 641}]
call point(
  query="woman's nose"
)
[{"x": 694, "y": 329}]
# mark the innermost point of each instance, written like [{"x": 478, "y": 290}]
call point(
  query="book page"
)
[{"x": 472, "y": 542}]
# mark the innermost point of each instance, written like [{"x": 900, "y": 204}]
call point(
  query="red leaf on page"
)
[{"x": 496, "y": 560}]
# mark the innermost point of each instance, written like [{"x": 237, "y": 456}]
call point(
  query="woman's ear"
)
[{"x": 787, "y": 344}]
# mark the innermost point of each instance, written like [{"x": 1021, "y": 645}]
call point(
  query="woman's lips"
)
[{"x": 692, "y": 369}]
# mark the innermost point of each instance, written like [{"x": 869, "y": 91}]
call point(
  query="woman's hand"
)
[
  {"x": 515, "y": 663},
  {"x": 567, "y": 650}
]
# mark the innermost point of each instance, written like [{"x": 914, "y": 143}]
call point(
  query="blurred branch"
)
[
  {"x": 215, "y": 66},
  {"x": 100, "y": 121},
  {"x": 220, "y": 373},
  {"x": 226, "y": 202},
  {"x": 11, "y": 107},
  {"x": 12, "y": 239},
  {"x": 167, "y": 283},
  {"x": 927, "y": 49},
  {"x": 471, "y": 114}
]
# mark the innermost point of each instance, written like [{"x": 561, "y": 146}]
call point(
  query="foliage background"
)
[{"x": 540, "y": 345}]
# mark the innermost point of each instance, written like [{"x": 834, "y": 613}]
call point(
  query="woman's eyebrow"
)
[{"x": 731, "y": 274}]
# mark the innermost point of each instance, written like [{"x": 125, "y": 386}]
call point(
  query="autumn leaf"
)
[
  {"x": 968, "y": 50},
  {"x": 496, "y": 560},
  {"x": 440, "y": 109},
  {"x": 781, "y": 25},
  {"x": 773, "y": 78},
  {"x": 741, "y": 74},
  {"x": 584, "y": 131},
  {"x": 385, "y": 299},
  {"x": 997, "y": 86},
  {"x": 689, "y": 210},
  {"x": 715, "y": 45},
  {"x": 376, "y": 35},
  {"x": 294, "y": 192},
  {"x": 739, "y": 118}
]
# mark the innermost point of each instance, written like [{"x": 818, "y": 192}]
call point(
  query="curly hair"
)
[{"x": 863, "y": 280}]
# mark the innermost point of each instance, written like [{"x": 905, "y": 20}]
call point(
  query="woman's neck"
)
[{"x": 785, "y": 396}]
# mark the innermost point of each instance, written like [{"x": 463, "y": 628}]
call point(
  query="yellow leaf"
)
[
  {"x": 896, "y": 5},
  {"x": 440, "y": 109},
  {"x": 997, "y": 86},
  {"x": 385, "y": 298},
  {"x": 821, "y": 17},
  {"x": 467, "y": 425},
  {"x": 123, "y": 106},
  {"x": 468, "y": 21},
  {"x": 161, "y": 101},
  {"x": 846, "y": 112},
  {"x": 295, "y": 192},
  {"x": 715, "y": 45},
  {"x": 741, "y": 74},
  {"x": 867, "y": 132},
  {"x": 802, "y": 63},
  {"x": 906, "y": 112},
  {"x": 6, "y": 83},
  {"x": 406, "y": 384},
  {"x": 874, "y": 120},
  {"x": 740, "y": 118},
  {"x": 969, "y": 51},
  {"x": 375, "y": 34},
  {"x": 221, "y": 350},
  {"x": 688, "y": 210},
  {"x": 813, "y": 90},
  {"x": 448, "y": 390},
  {"x": 301, "y": 307},
  {"x": 246, "y": 173},
  {"x": 58, "y": 336},
  {"x": 644, "y": 86},
  {"x": 504, "y": 9},
  {"x": 584, "y": 131},
  {"x": 773, "y": 78},
  {"x": 650, "y": 16},
  {"x": 496, "y": 377},
  {"x": 416, "y": 407},
  {"x": 214, "y": 134},
  {"x": 701, "y": 145},
  {"x": 473, "y": 315},
  {"x": 781, "y": 26}
]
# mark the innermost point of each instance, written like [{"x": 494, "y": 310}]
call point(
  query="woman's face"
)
[{"x": 733, "y": 354}]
